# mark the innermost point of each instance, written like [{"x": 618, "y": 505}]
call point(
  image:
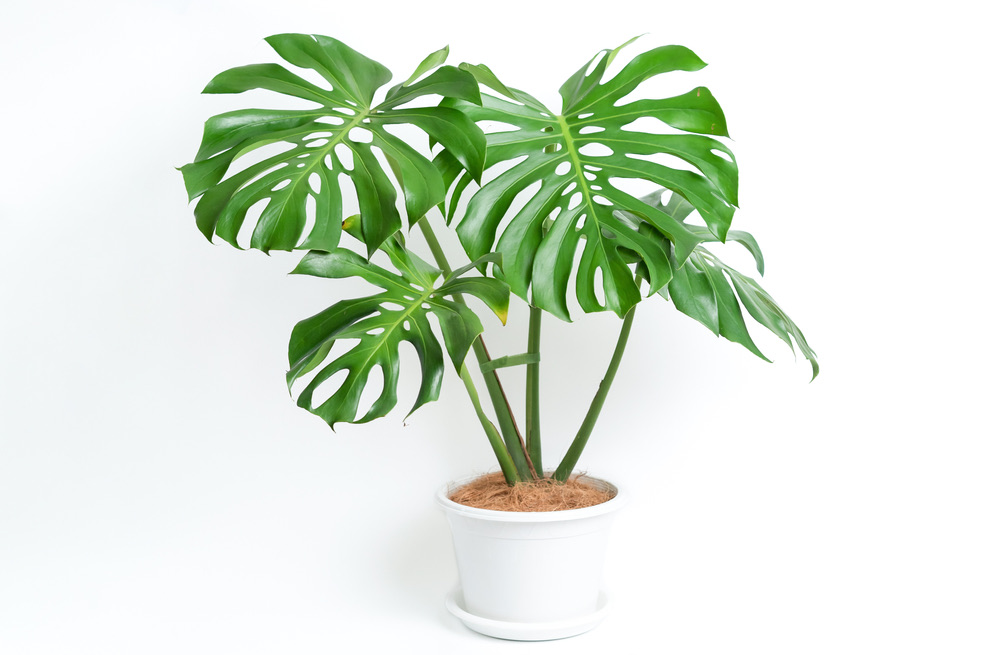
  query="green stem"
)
[
  {"x": 568, "y": 463},
  {"x": 496, "y": 441},
  {"x": 532, "y": 428},
  {"x": 505, "y": 416},
  {"x": 436, "y": 250}
]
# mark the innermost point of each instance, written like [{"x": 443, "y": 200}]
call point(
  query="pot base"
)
[{"x": 516, "y": 631}]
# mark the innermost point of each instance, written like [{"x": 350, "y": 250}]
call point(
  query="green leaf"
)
[
  {"x": 581, "y": 84},
  {"x": 309, "y": 170},
  {"x": 353, "y": 76},
  {"x": 765, "y": 311},
  {"x": 377, "y": 326},
  {"x": 446, "y": 81},
  {"x": 714, "y": 294},
  {"x": 429, "y": 63},
  {"x": 699, "y": 287},
  {"x": 680, "y": 208},
  {"x": 451, "y": 128},
  {"x": 490, "y": 258},
  {"x": 487, "y": 78},
  {"x": 566, "y": 176}
]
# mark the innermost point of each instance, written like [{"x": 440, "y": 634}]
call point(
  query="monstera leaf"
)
[
  {"x": 706, "y": 289},
  {"x": 714, "y": 293},
  {"x": 310, "y": 166},
  {"x": 568, "y": 168},
  {"x": 377, "y": 326}
]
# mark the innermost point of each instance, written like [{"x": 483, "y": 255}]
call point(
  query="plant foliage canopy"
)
[
  {"x": 337, "y": 138},
  {"x": 543, "y": 203},
  {"x": 570, "y": 164}
]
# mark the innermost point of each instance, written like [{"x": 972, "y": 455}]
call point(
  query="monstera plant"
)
[{"x": 540, "y": 203}]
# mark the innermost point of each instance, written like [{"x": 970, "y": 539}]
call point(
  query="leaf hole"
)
[
  {"x": 601, "y": 200},
  {"x": 496, "y": 127},
  {"x": 518, "y": 203},
  {"x": 650, "y": 125},
  {"x": 264, "y": 174},
  {"x": 328, "y": 387},
  {"x": 318, "y": 143},
  {"x": 663, "y": 159},
  {"x": 313, "y": 76},
  {"x": 383, "y": 162},
  {"x": 315, "y": 183},
  {"x": 596, "y": 150},
  {"x": 374, "y": 386},
  {"x": 360, "y": 135},
  {"x": 563, "y": 168},
  {"x": 310, "y": 214},
  {"x": 599, "y": 286},
  {"x": 502, "y": 167},
  {"x": 569, "y": 189},
  {"x": 330, "y": 120},
  {"x": 250, "y": 222},
  {"x": 637, "y": 187},
  {"x": 591, "y": 129},
  {"x": 345, "y": 156},
  {"x": 406, "y": 133},
  {"x": 392, "y": 306},
  {"x": 261, "y": 154},
  {"x": 585, "y": 116},
  {"x": 348, "y": 194},
  {"x": 281, "y": 185}
]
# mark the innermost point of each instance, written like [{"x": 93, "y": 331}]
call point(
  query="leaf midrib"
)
[
  {"x": 583, "y": 182},
  {"x": 384, "y": 337},
  {"x": 320, "y": 154},
  {"x": 325, "y": 150}
]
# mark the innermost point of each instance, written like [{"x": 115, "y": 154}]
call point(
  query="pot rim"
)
[{"x": 619, "y": 500}]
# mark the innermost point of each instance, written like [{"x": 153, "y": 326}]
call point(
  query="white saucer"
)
[{"x": 526, "y": 631}]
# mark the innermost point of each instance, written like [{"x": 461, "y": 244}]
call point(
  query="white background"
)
[{"x": 160, "y": 493}]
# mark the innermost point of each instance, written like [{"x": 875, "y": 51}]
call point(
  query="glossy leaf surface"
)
[
  {"x": 376, "y": 326},
  {"x": 567, "y": 172},
  {"x": 717, "y": 295},
  {"x": 342, "y": 136}
]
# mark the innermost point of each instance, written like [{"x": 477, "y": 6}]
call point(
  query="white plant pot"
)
[{"x": 530, "y": 576}]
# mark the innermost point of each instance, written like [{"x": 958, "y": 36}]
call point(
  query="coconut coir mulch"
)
[{"x": 546, "y": 495}]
